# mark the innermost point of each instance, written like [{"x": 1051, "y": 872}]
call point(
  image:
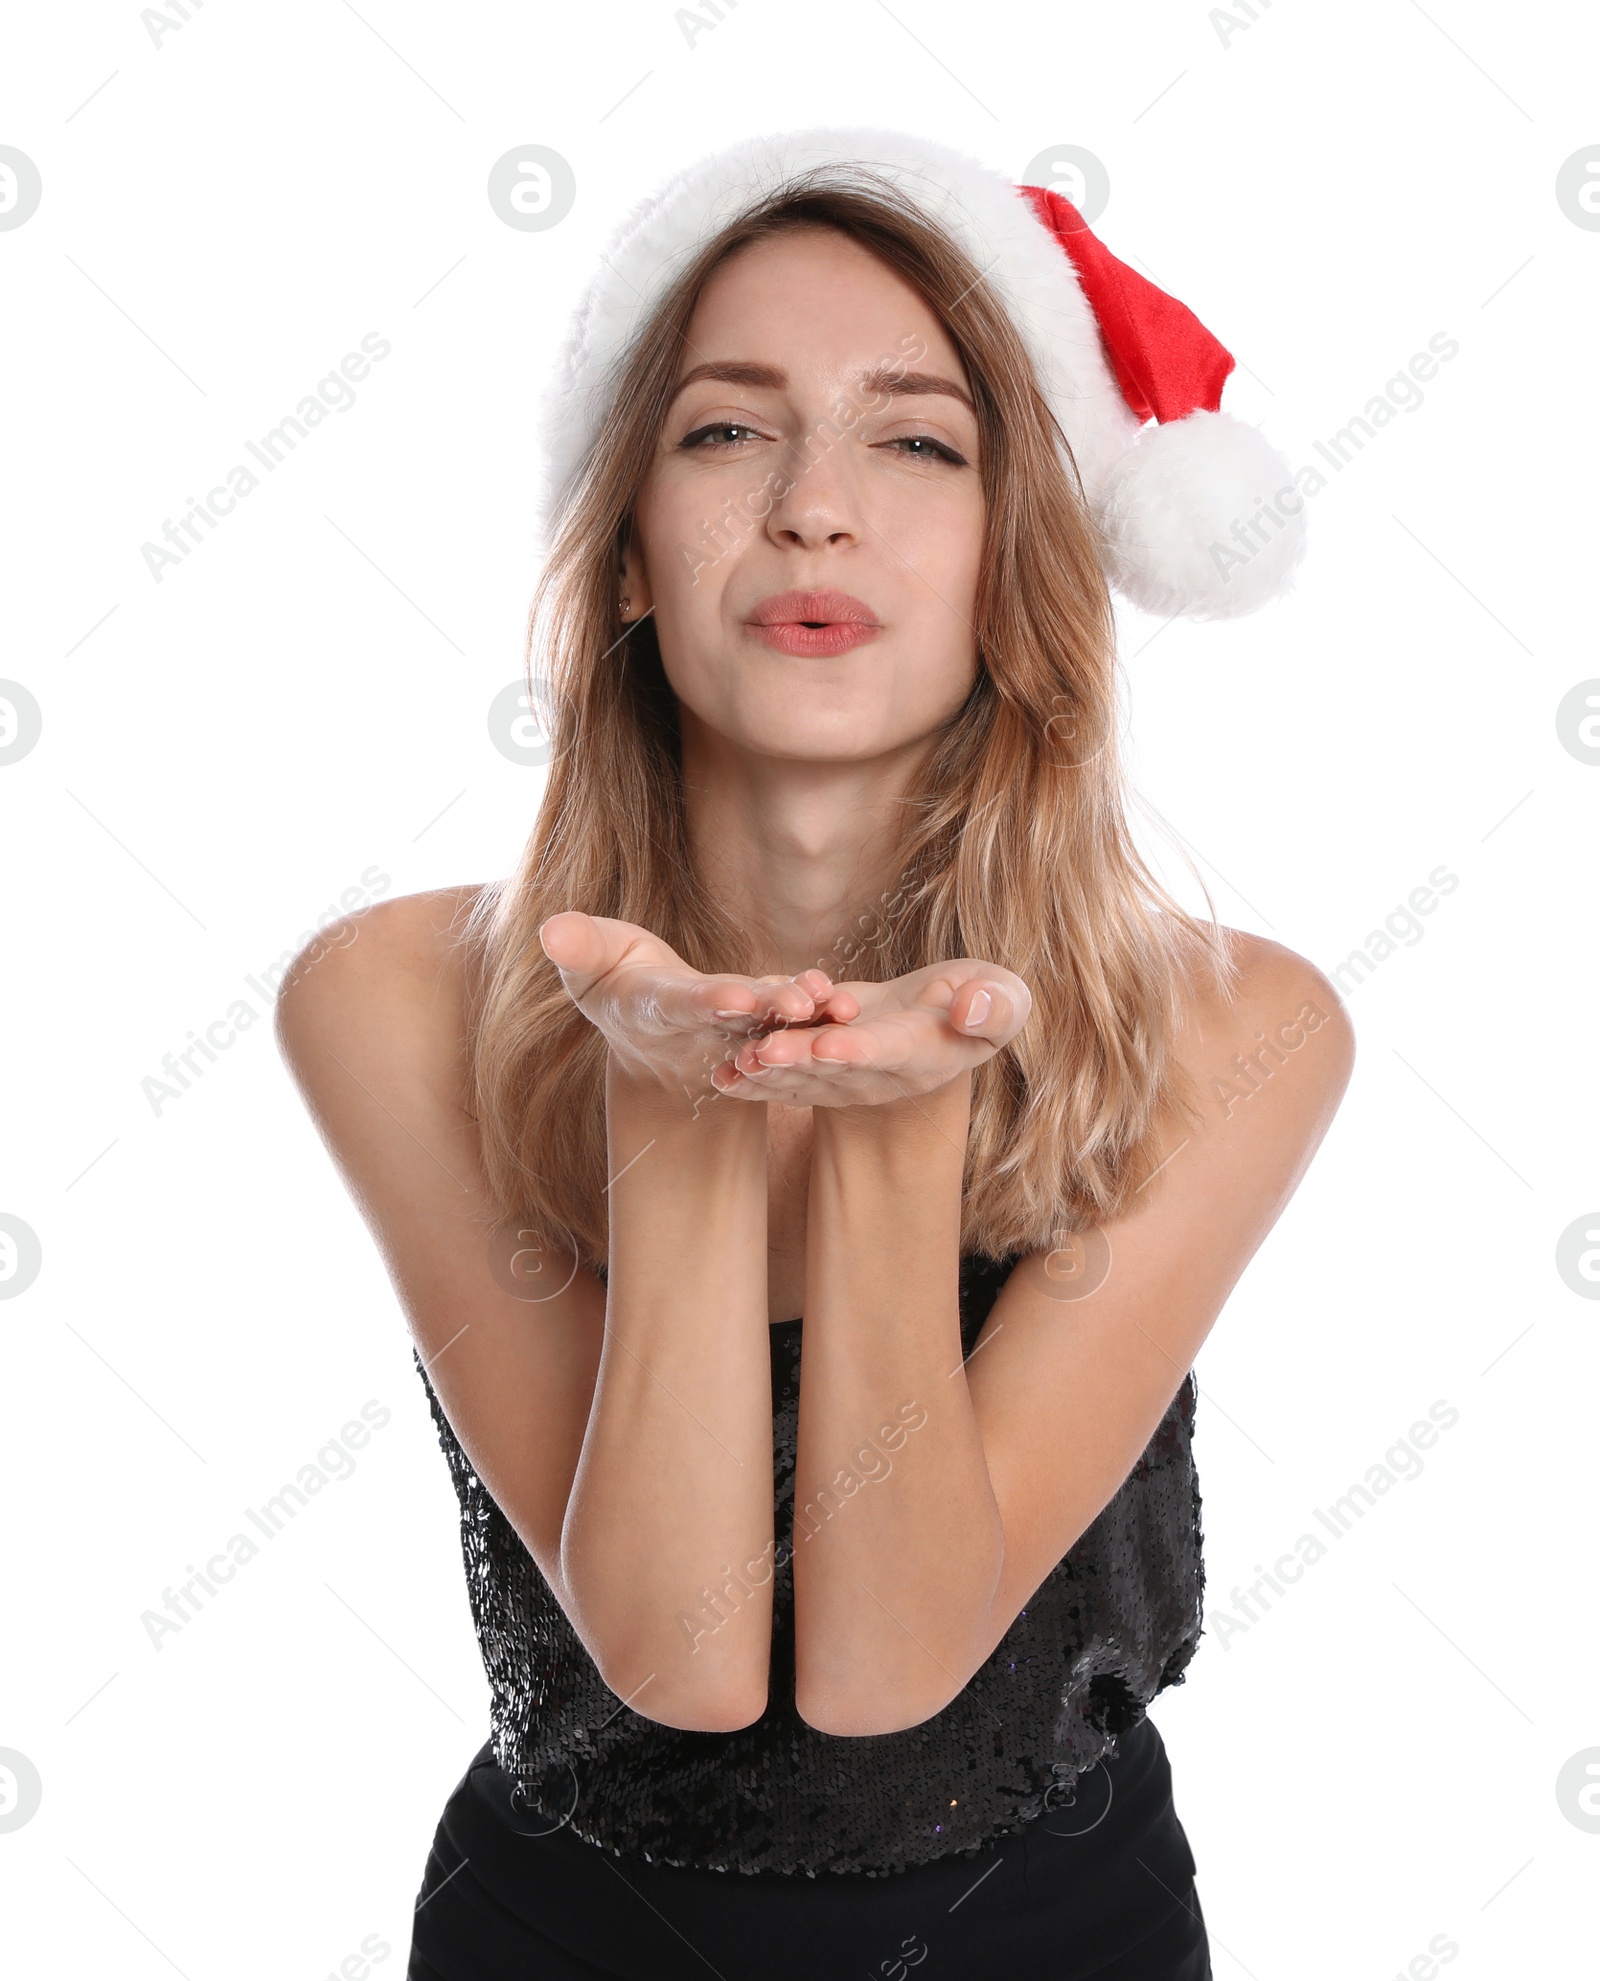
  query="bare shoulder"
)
[
  {"x": 393, "y": 976},
  {"x": 1281, "y": 1011},
  {"x": 415, "y": 937}
]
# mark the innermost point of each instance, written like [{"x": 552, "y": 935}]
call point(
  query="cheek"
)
[
  {"x": 688, "y": 550},
  {"x": 687, "y": 568},
  {"x": 941, "y": 525},
  {"x": 943, "y": 549}
]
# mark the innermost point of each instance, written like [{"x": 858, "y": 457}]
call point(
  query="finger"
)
[
  {"x": 584, "y": 948},
  {"x": 831, "y": 1049},
  {"x": 792, "y": 1081},
  {"x": 720, "y": 1000},
  {"x": 985, "y": 1009},
  {"x": 864, "y": 1048},
  {"x": 730, "y": 1082},
  {"x": 793, "y": 1000},
  {"x": 775, "y": 1052},
  {"x": 839, "y": 1007},
  {"x": 738, "y": 1003}
]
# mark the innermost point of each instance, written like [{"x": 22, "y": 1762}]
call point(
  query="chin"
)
[
  {"x": 810, "y": 720},
  {"x": 806, "y": 743}
]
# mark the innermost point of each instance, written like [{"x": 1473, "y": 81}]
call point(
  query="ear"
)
[{"x": 632, "y": 583}]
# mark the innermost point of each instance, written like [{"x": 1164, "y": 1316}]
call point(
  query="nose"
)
[{"x": 819, "y": 505}]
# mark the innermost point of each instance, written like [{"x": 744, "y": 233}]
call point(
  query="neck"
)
[{"x": 796, "y": 851}]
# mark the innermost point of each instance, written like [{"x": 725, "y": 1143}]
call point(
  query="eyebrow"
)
[{"x": 883, "y": 379}]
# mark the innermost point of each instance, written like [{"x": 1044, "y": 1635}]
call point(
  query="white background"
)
[{"x": 225, "y": 213}]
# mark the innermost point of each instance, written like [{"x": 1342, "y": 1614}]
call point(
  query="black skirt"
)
[{"x": 1101, "y": 1886}]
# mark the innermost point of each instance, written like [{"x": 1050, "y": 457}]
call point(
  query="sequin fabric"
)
[{"x": 1113, "y": 1624}]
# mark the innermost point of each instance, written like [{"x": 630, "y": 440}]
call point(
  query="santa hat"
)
[{"x": 1112, "y": 353}]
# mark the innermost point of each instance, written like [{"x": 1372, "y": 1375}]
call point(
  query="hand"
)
[
  {"x": 910, "y": 1036},
  {"x": 666, "y": 1023}
]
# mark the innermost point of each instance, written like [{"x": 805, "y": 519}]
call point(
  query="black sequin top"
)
[{"x": 1113, "y": 1624}]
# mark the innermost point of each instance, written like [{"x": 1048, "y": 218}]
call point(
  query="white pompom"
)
[{"x": 1203, "y": 518}]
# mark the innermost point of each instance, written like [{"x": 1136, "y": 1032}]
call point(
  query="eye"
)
[
  {"x": 698, "y": 440},
  {"x": 922, "y": 443}
]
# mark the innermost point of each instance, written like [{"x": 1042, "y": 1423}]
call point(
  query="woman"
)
[{"x": 830, "y": 990}]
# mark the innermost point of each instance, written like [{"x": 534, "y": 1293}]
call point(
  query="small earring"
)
[{"x": 623, "y": 607}]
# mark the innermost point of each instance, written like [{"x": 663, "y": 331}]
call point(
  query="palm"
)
[
  {"x": 909, "y": 1036},
  {"x": 662, "y": 1018},
  {"x": 806, "y": 1041}
]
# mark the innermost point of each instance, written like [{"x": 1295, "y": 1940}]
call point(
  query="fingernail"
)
[
  {"x": 730, "y": 1014},
  {"x": 979, "y": 1009}
]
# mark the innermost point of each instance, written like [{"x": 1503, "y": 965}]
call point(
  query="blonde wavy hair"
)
[{"x": 1015, "y": 848}]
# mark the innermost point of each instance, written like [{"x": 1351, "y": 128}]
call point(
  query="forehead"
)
[{"x": 816, "y": 301}]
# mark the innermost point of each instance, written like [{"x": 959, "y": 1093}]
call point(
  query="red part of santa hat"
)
[{"x": 1167, "y": 363}]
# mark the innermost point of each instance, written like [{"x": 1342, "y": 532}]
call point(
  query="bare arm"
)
[
  {"x": 371, "y": 1020},
  {"x": 906, "y": 1585},
  {"x": 632, "y": 1462},
  {"x": 894, "y": 1576},
  {"x": 667, "y": 1547},
  {"x": 671, "y": 1508}
]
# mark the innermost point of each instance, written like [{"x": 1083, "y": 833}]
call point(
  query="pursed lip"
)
[{"x": 803, "y": 608}]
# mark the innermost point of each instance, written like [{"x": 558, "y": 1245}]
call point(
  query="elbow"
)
[
  {"x": 856, "y": 1711},
  {"x": 890, "y": 1687},
  {"x": 713, "y": 1703},
  {"x": 697, "y": 1687},
  {"x": 707, "y": 1715},
  {"x": 678, "y": 1671}
]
